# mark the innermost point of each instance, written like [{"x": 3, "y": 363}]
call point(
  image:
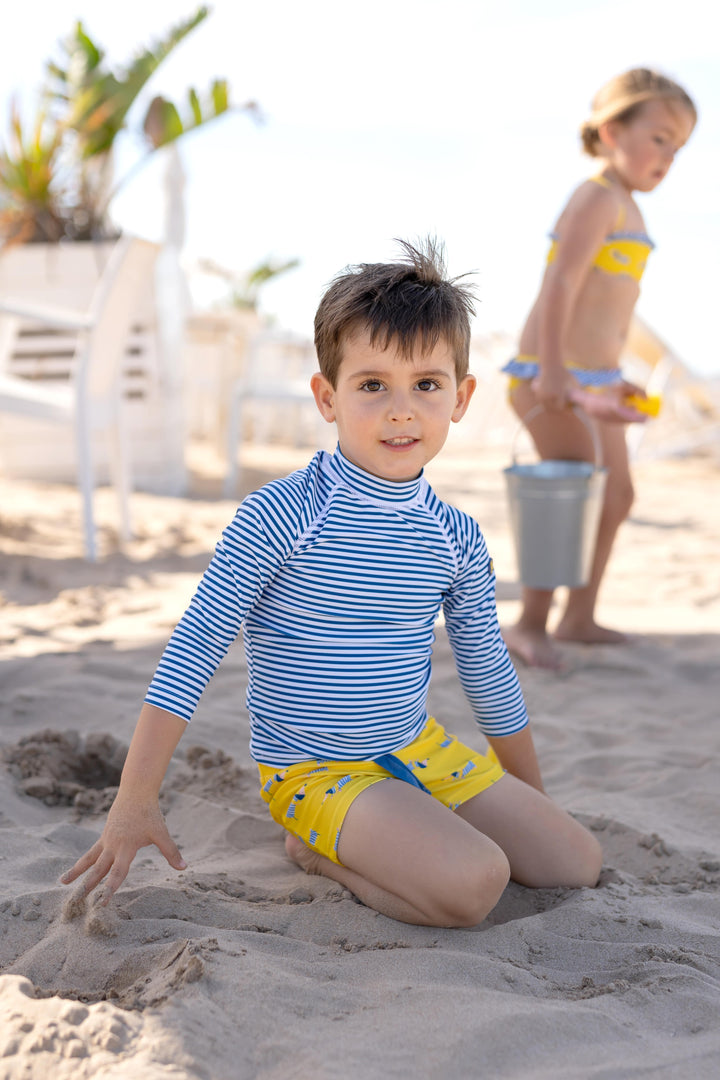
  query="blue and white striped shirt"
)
[{"x": 336, "y": 578}]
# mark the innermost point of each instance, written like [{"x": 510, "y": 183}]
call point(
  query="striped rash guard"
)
[{"x": 336, "y": 578}]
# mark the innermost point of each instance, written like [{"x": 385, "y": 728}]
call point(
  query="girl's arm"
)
[
  {"x": 134, "y": 819},
  {"x": 583, "y": 226}
]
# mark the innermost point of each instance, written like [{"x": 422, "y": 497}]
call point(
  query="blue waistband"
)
[
  {"x": 529, "y": 369},
  {"x": 399, "y": 770}
]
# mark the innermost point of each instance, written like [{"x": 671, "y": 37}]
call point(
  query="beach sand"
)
[{"x": 242, "y": 966}]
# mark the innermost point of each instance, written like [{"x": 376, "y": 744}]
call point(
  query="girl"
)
[{"x": 574, "y": 335}]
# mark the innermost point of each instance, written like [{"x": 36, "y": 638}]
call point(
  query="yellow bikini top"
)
[{"x": 623, "y": 252}]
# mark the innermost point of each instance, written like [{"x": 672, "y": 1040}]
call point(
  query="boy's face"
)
[{"x": 393, "y": 413}]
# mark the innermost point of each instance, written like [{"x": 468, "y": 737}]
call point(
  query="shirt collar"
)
[{"x": 373, "y": 487}]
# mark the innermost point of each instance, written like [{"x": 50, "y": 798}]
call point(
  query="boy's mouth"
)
[{"x": 400, "y": 440}]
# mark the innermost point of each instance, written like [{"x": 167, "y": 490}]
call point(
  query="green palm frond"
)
[
  {"x": 163, "y": 122},
  {"x": 96, "y": 99},
  {"x": 29, "y": 204},
  {"x": 269, "y": 269},
  {"x": 246, "y": 291},
  {"x": 59, "y": 173}
]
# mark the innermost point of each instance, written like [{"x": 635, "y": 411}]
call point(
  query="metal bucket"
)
[{"x": 555, "y": 509}]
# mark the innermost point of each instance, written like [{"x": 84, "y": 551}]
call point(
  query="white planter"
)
[{"x": 66, "y": 275}]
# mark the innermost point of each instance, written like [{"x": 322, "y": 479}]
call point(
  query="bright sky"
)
[{"x": 401, "y": 117}]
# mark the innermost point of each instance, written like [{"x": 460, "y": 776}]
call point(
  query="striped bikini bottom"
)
[{"x": 523, "y": 368}]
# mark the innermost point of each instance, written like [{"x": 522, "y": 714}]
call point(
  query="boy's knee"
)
[
  {"x": 587, "y": 862},
  {"x": 592, "y": 862},
  {"x": 475, "y": 892}
]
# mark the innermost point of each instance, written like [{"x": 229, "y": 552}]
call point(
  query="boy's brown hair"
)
[{"x": 400, "y": 303}]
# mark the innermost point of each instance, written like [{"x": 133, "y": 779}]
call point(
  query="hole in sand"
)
[{"x": 67, "y": 769}]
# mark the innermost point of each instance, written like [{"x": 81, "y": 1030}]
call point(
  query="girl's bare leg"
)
[
  {"x": 407, "y": 856},
  {"x": 556, "y": 435},
  {"x": 546, "y": 848},
  {"x": 561, "y": 435},
  {"x": 529, "y": 638},
  {"x": 578, "y": 621}
]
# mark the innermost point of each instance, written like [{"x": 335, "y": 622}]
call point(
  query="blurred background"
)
[{"x": 401, "y": 118}]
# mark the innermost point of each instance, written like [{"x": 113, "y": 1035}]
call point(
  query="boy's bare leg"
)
[
  {"x": 371, "y": 895},
  {"x": 578, "y": 622},
  {"x": 407, "y": 856},
  {"x": 546, "y": 848}
]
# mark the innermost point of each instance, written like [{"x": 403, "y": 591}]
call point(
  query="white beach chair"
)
[
  {"x": 278, "y": 368},
  {"x": 690, "y": 417},
  {"x": 92, "y": 399}
]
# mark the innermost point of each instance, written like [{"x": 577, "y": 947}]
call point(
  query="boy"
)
[{"x": 336, "y": 575}]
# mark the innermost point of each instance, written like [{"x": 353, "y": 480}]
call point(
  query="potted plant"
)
[
  {"x": 56, "y": 173},
  {"x": 57, "y": 183}
]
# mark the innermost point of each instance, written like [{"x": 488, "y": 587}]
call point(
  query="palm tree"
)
[{"x": 56, "y": 179}]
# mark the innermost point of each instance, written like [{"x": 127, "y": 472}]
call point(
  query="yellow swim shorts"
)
[{"x": 311, "y": 798}]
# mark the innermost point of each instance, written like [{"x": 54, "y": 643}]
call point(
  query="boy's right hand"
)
[{"x": 130, "y": 825}]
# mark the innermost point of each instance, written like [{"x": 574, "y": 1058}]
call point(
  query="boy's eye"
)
[
  {"x": 428, "y": 384},
  {"x": 372, "y": 385}
]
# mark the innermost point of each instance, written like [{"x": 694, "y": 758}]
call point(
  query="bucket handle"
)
[{"x": 581, "y": 415}]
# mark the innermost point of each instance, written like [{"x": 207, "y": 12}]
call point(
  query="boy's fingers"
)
[
  {"x": 115, "y": 878},
  {"x": 101, "y": 868},
  {"x": 82, "y": 864},
  {"x": 170, "y": 850}
]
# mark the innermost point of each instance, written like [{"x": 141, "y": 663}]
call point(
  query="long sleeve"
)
[
  {"x": 246, "y": 559},
  {"x": 484, "y": 666}
]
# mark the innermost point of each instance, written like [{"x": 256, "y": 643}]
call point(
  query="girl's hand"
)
[
  {"x": 629, "y": 389},
  {"x": 130, "y": 825},
  {"x": 553, "y": 388},
  {"x": 610, "y": 406}
]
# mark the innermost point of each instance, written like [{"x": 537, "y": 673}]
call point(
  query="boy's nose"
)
[{"x": 401, "y": 407}]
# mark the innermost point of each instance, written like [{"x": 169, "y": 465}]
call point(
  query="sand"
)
[{"x": 242, "y": 966}]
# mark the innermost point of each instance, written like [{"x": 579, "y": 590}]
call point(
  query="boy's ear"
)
[
  {"x": 324, "y": 396},
  {"x": 465, "y": 390}
]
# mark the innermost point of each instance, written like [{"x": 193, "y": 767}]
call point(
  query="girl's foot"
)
[
  {"x": 588, "y": 633},
  {"x": 534, "y": 647}
]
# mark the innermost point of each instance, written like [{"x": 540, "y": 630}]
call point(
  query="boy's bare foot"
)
[
  {"x": 534, "y": 647},
  {"x": 301, "y": 854},
  {"x": 588, "y": 633}
]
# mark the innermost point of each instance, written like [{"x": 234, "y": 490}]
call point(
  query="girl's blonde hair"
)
[{"x": 622, "y": 97}]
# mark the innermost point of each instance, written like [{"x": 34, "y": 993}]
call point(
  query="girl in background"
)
[{"x": 570, "y": 347}]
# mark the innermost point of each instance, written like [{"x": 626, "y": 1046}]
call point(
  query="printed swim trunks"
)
[{"x": 311, "y": 798}]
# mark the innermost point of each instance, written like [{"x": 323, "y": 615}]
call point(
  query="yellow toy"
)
[{"x": 649, "y": 405}]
